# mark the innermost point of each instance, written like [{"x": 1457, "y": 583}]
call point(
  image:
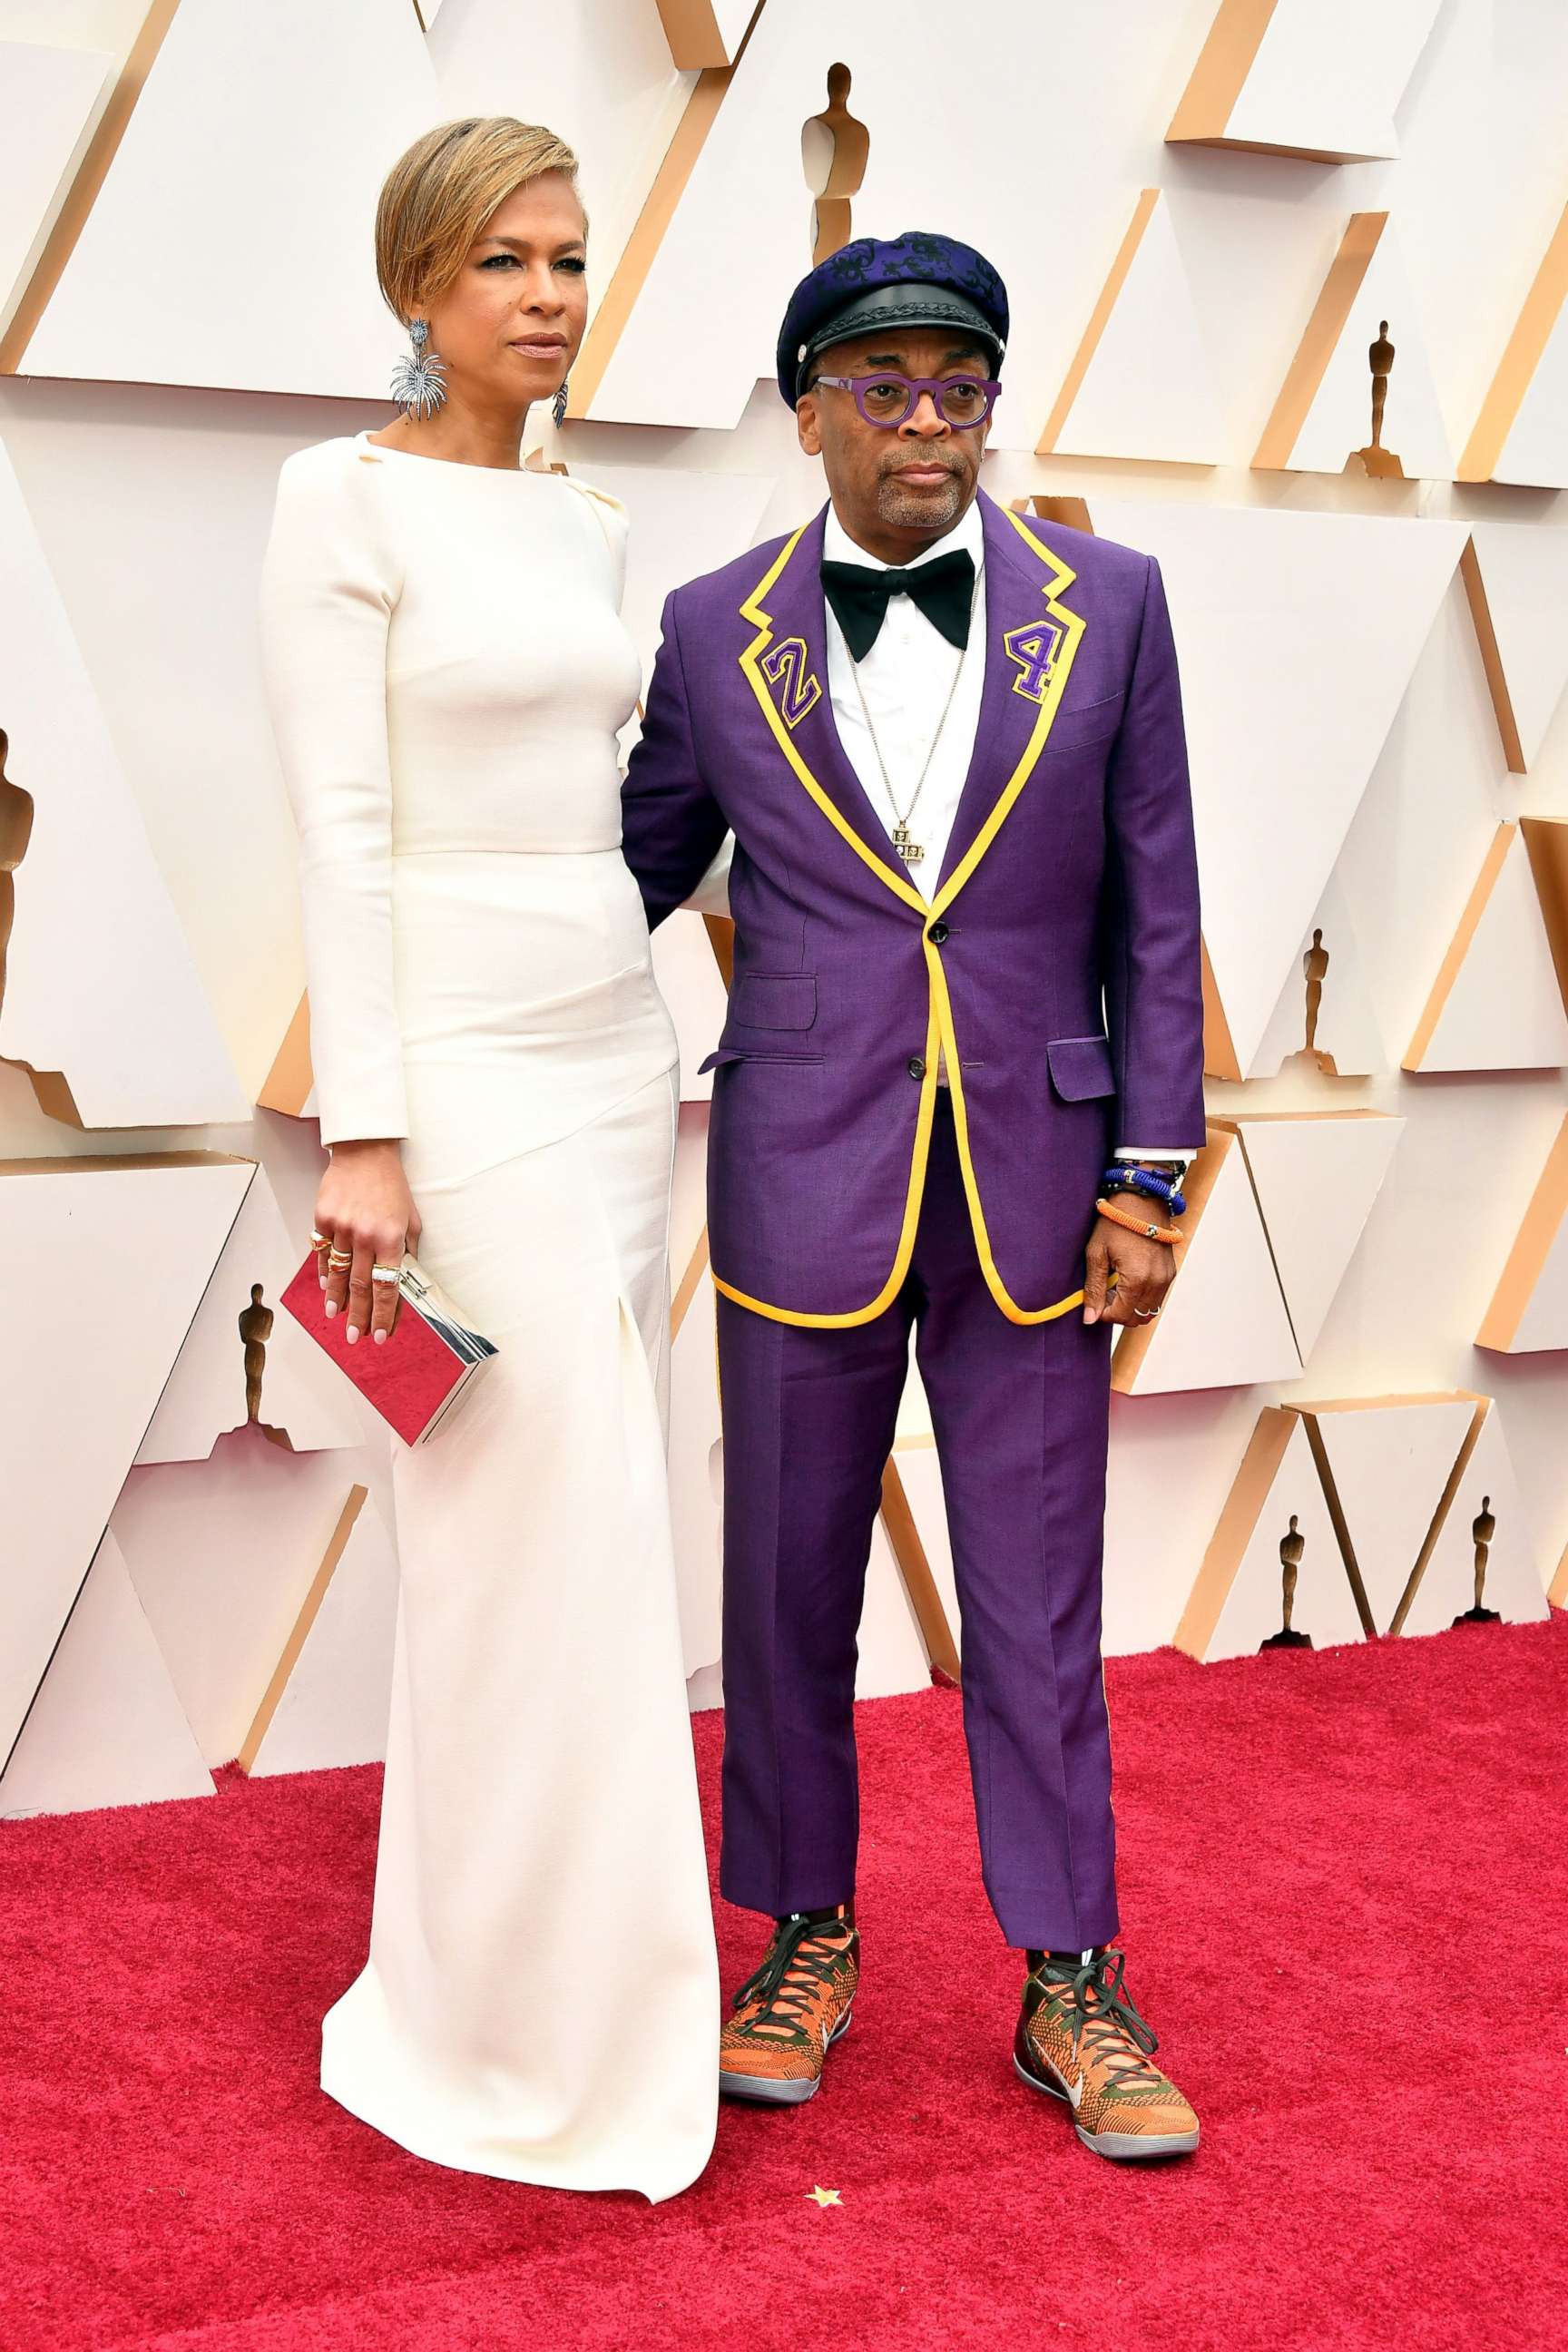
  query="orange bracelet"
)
[{"x": 1136, "y": 1225}]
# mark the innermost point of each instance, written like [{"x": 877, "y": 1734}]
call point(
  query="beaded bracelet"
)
[
  {"x": 1136, "y": 1224},
  {"x": 1129, "y": 1178}
]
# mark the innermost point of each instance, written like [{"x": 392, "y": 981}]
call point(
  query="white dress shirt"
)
[{"x": 906, "y": 678}]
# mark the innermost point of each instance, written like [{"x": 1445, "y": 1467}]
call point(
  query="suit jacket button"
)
[
  {"x": 938, "y": 935},
  {"x": 917, "y": 1067}
]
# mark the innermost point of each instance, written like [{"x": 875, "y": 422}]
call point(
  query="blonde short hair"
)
[{"x": 439, "y": 196}]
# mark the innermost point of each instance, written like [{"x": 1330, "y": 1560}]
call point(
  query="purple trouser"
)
[{"x": 1021, "y": 1416}]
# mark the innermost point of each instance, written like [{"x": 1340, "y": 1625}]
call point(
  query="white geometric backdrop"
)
[{"x": 1201, "y": 230}]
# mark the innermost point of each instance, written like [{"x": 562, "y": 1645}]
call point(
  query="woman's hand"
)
[{"x": 364, "y": 1207}]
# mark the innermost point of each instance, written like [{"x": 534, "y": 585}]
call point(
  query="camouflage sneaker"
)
[
  {"x": 1080, "y": 2039},
  {"x": 784, "y": 2018}
]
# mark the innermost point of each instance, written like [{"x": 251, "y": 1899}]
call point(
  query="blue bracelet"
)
[{"x": 1128, "y": 1177}]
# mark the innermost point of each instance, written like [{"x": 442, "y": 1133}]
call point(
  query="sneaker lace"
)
[
  {"x": 800, "y": 1963},
  {"x": 1104, "y": 2018}
]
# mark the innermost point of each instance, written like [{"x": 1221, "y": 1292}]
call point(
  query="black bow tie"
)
[{"x": 944, "y": 590}]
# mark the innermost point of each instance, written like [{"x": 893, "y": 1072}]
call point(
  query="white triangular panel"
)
[
  {"x": 106, "y": 1727},
  {"x": 301, "y": 1392},
  {"x": 1324, "y": 78},
  {"x": 598, "y": 71},
  {"x": 892, "y": 1655},
  {"x": 333, "y": 1708},
  {"x": 222, "y": 1553},
  {"x": 1316, "y": 1179},
  {"x": 277, "y": 194},
  {"x": 1339, "y": 419},
  {"x": 1536, "y": 449},
  {"x": 1390, "y": 1463},
  {"x": 100, "y": 982},
  {"x": 104, "y": 1268},
  {"x": 920, "y": 1472},
  {"x": 683, "y": 524},
  {"x": 1514, "y": 1585},
  {"x": 692, "y": 986},
  {"x": 1165, "y": 1483},
  {"x": 697, "y": 1479},
  {"x": 1503, "y": 1009},
  {"x": 1544, "y": 1322},
  {"x": 1224, "y": 1323},
  {"x": 1297, "y": 634},
  {"x": 688, "y": 1192},
  {"x": 1324, "y": 1604},
  {"x": 914, "y": 1417},
  {"x": 1529, "y": 1308},
  {"x": 1524, "y": 571},
  {"x": 1346, "y": 1040},
  {"x": 1558, "y": 1593},
  {"x": 51, "y": 102},
  {"x": 1147, "y": 390},
  {"x": 701, "y": 310}
]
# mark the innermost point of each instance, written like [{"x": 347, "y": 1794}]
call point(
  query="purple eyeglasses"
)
[{"x": 961, "y": 401}]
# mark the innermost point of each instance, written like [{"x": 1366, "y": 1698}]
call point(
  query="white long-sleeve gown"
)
[{"x": 446, "y": 672}]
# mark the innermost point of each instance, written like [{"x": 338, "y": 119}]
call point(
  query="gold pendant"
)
[{"x": 909, "y": 851}]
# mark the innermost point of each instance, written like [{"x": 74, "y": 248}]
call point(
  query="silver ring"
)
[
  {"x": 386, "y": 1274},
  {"x": 1148, "y": 1313}
]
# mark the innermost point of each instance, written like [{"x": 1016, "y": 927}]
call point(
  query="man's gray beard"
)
[{"x": 904, "y": 508}]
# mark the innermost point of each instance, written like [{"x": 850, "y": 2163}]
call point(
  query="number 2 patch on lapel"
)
[
  {"x": 1033, "y": 647},
  {"x": 786, "y": 668}
]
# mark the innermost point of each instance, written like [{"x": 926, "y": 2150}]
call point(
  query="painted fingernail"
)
[
  {"x": 331, "y": 1306},
  {"x": 351, "y": 1334},
  {"x": 323, "y": 1280},
  {"x": 378, "y": 1336}
]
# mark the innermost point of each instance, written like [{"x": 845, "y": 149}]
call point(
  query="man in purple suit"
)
[{"x": 966, "y": 1007}]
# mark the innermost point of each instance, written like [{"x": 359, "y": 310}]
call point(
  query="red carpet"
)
[{"x": 1345, "y": 1891}]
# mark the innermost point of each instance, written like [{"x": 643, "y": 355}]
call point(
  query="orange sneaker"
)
[
  {"x": 785, "y": 2018},
  {"x": 1080, "y": 2039}
]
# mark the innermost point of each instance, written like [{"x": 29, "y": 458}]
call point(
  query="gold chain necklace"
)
[{"x": 909, "y": 849}]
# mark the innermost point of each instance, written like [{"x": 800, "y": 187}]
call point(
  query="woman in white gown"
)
[{"x": 495, "y": 1071}]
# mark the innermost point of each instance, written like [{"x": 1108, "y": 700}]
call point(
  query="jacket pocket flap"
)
[
  {"x": 773, "y": 1000},
  {"x": 1080, "y": 1068}
]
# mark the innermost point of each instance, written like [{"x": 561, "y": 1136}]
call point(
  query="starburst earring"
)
[
  {"x": 558, "y": 406},
  {"x": 419, "y": 382}
]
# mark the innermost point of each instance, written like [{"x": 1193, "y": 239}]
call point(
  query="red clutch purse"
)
[{"x": 414, "y": 1378}]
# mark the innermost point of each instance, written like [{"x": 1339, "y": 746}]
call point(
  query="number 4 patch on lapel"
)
[
  {"x": 786, "y": 666},
  {"x": 1033, "y": 647}
]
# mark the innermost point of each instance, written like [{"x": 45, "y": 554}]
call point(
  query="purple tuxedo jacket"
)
[{"x": 1070, "y": 882}]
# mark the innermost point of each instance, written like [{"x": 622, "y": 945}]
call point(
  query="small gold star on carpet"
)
[{"x": 824, "y": 2197}]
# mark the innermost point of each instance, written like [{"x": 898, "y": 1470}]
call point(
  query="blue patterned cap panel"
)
[{"x": 870, "y": 263}]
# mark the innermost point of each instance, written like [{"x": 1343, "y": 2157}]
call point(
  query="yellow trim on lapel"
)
[
  {"x": 906, "y": 1250},
  {"x": 1062, "y": 577},
  {"x": 939, "y": 1033},
  {"x": 751, "y": 610}
]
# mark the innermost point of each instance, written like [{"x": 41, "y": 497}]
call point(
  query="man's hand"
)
[{"x": 1144, "y": 1271}]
